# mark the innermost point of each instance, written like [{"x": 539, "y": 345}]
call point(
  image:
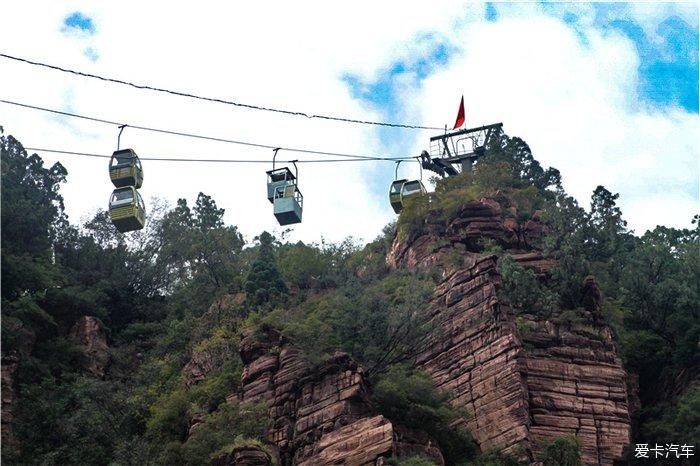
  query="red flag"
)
[{"x": 460, "y": 115}]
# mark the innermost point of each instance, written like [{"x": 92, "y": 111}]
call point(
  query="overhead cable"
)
[
  {"x": 184, "y": 159},
  {"x": 196, "y": 136},
  {"x": 216, "y": 99}
]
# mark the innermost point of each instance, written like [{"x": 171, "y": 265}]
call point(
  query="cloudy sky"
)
[{"x": 607, "y": 93}]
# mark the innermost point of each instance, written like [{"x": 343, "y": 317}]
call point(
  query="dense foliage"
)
[{"x": 181, "y": 291}]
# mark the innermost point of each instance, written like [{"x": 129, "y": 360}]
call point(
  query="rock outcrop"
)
[
  {"x": 88, "y": 333},
  {"x": 525, "y": 381},
  {"x": 321, "y": 415},
  {"x": 247, "y": 455}
]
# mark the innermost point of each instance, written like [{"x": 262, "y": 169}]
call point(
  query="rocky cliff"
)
[
  {"x": 321, "y": 415},
  {"x": 527, "y": 380},
  {"x": 523, "y": 379}
]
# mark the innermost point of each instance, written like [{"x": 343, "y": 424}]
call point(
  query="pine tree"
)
[{"x": 264, "y": 283}]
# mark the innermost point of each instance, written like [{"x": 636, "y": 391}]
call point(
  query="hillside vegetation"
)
[{"x": 186, "y": 287}]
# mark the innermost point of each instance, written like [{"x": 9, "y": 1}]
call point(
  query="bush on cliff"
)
[
  {"x": 523, "y": 290},
  {"x": 408, "y": 398},
  {"x": 231, "y": 423},
  {"x": 411, "y": 461},
  {"x": 564, "y": 451}
]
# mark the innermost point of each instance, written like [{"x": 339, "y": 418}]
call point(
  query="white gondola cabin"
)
[{"x": 283, "y": 192}]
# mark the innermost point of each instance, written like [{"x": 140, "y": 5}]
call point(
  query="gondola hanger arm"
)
[
  {"x": 274, "y": 155},
  {"x": 296, "y": 170},
  {"x": 119, "y": 136}
]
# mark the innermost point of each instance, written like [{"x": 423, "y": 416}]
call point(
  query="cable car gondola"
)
[
  {"x": 284, "y": 194},
  {"x": 127, "y": 210},
  {"x": 125, "y": 169},
  {"x": 401, "y": 190},
  {"x": 395, "y": 195}
]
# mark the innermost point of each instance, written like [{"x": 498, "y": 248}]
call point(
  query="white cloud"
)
[{"x": 574, "y": 104}]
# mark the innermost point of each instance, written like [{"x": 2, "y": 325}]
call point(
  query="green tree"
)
[
  {"x": 197, "y": 245},
  {"x": 659, "y": 290},
  {"x": 523, "y": 291},
  {"x": 607, "y": 229},
  {"x": 32, "y": 213},
  {"x": 525, "y": 170},
  {"x": 264, "y": 284},
  {"x": 568, "y": 230}
]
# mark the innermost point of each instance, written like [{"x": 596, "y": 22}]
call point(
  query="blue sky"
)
[
  {"x": 79, "y": 21},
  {"x": 607, "y": 93}
]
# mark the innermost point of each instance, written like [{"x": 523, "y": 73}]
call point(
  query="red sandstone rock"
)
[
  {"x": 571, "y": 383},
  {"x": 320, "y": 414},
  {"x": 534, "y": 260},
  {"x": 88, "y": 333},
  {"x": 356, "y": 444}
]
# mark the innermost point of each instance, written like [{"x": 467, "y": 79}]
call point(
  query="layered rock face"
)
[
  {"x": 577, "y": 386},
  {"x": 475, "y": 354},
  {"x": 525, "y": 381},
  {"x": 320, "y": 415}
]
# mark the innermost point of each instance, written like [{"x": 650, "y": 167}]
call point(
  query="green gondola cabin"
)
[
  {"x": 127, "y": 210},
  {"x": 125, "y": 169}
]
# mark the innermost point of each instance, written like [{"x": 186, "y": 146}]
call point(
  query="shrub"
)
[
  {"x": 563, "y": 451},
  {"x": 232, "y": 424},
  {"x": 407, "y": 397},
  {"x": 168, "y": 417},
  {"x": 522, "y": 289}
]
